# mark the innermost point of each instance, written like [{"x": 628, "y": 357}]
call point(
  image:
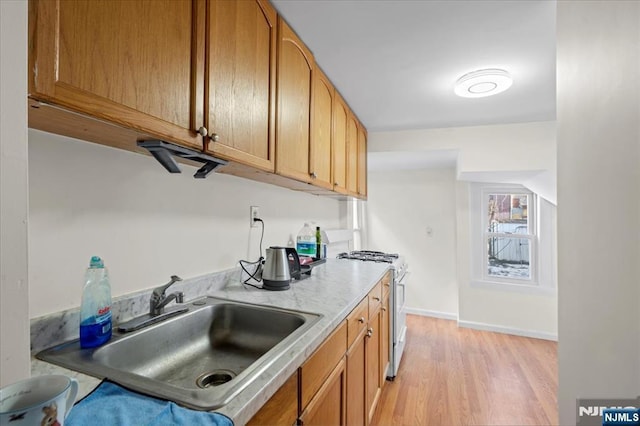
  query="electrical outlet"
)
[{"x": 254, "y": 213}]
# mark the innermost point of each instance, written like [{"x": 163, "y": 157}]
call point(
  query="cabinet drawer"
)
[
  {"x": 375, "y": 299},
  {"x": 316, "y": 369},
  {"x": 386, "y": 284},
  {"x": 357, "y": 321}
]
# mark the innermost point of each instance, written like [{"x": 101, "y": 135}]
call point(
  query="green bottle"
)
[{"x": 318, "y": 243}]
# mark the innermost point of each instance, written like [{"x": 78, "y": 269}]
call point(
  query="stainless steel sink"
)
[{"x": 200, "y": 359}]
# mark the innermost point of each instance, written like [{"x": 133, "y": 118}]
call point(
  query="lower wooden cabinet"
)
[
  {"x": 341, "y": 382},
  {"x": 385, "y": 357},
  {"x": 328, "y": 405},
  {"x": 356, "y": 382},
  {"x": 372, "y": 347},
  {"x": 282, "y": 408}
]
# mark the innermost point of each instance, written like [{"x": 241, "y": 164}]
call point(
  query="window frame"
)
[{"x": 531, "y": 236}]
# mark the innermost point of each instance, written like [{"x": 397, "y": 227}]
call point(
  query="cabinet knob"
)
[
  {"x": 370, "y": 332},
  {"x": 214, "y": 137},
  {"x": 361, "y": 320},
  {"x": 377, "y": 299},
  {"x": 313, "y": 175},
  {"x": 202, "y": 131},
  {"x": 384, "y": 309}
]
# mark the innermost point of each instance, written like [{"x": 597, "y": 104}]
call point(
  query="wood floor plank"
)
[{"x": 458, "y": 376}]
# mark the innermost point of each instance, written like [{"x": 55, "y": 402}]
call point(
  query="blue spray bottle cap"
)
[{"x": 96, "y": 262}]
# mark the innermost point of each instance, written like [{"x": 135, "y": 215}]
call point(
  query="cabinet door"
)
[
  {"x": 126, "y": 62},
  {"x": 352, "y": 154},
  {"x": 373, "y": 362},
  {"x": 321, "y": 119},
  {"x": 356, "y": 383},
  {"x": 339, "y": 147},
  {"x": 295, "y": 67},
  {"x": 282, "y": 407},
  {"x": 362, "y": 161},
  {"x": 384, "y": 342},
  {"x": 328, "y": 406},
  {"x": 240, "y": 81}
]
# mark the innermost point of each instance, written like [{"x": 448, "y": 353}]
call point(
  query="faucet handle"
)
[{"x": 159, "y": 291}]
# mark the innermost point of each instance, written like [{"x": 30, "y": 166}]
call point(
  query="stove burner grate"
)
[{"x": 369, "y": 256}]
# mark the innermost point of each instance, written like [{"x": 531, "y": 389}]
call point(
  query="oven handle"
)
[
  {"x": 403, "y": 278},
  {"x": 404, "y": 293}
]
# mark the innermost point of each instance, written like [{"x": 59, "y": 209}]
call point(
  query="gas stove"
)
[{"x": 369, "y": 256}]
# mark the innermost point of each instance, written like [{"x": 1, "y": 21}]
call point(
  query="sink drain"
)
[{"x": 215, "y": 378}]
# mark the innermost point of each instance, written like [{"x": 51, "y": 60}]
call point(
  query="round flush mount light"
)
[{"x": 481, "y": 83}]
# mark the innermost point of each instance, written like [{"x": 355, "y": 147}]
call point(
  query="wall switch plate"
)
[{"x": 254, "y": 213}]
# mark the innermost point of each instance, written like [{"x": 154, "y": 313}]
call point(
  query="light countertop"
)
[{"x": 333, "y": 290}]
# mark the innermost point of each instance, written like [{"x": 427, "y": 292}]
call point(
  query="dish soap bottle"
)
[{"x": 95, "y": 310}]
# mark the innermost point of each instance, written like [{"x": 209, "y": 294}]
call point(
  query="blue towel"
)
[{"x": 110, "y": 404}]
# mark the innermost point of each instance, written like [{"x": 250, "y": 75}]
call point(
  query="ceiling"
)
[{"x": 395, "y": 62}]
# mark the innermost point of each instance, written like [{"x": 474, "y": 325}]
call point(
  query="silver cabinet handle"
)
[
  {"x": 377, "y": 299},
  {"x": 313, "y": 175},
  {"x": 202, "y": 131},
  {"x": 214, "y": 137},
  {"x": 370, "y": 332},
  {"x": 361, "y": 320},
  {"x": 384, "y": 309}
]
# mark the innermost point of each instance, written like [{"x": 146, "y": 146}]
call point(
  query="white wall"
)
[
  {"x": 523, "y": 153},
  {"x": 14, "y": 282},
  {"x": 401, "y": 207},
  {"x": 513, "y": 308},
  {"x": 147, "y": 224},
  {"x": 515, "y": 153},
  {"x": 519, "y": 309},
  {"x": 598, "y": 198}
]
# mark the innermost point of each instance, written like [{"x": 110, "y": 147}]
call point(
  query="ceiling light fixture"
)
[{"x": 481, "y": 83}]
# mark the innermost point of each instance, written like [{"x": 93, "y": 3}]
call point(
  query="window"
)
[
  {"x": 357, "y": 223},
  {"x": 509, "y": 235}
]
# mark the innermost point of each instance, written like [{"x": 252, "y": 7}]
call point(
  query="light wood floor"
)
[{"x": 458, "y": 376}]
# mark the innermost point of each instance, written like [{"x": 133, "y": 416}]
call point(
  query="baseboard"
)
[
  {"x": 434, "y": 314},
  {"x": 508, "y": 330}
]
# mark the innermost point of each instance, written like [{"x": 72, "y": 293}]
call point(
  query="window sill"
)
[{"x": 514, "y": 287}]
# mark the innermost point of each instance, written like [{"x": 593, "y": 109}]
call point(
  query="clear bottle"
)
[
  {"x": 306, "y": 241},
  {"x": 95, "y": 309}
]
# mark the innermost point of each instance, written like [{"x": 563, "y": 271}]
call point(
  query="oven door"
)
[{"x": 400, "y": 323}]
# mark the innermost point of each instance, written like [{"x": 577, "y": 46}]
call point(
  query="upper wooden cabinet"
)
[
  {"x": 339, "y": 147},
  {"x": 322, "y": 95},
  {"x": 352, "y": 154},
  {"x": 127, "y": 62},
  {"x": 229, "y": 78},
  {"x": 240, "y": 78},
  {"x": 362, "y": 161},
  {"x": 295, "y": 70}
]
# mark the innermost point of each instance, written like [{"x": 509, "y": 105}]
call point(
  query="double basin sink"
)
[{"x": 200, "y": 359}]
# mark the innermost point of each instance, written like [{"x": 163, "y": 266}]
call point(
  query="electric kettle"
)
[{"x": 278, "y": 270}]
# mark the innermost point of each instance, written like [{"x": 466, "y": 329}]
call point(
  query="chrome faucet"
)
[
  {"x": 159, "y": 299},
  {"x": 157, "y": 313}
]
